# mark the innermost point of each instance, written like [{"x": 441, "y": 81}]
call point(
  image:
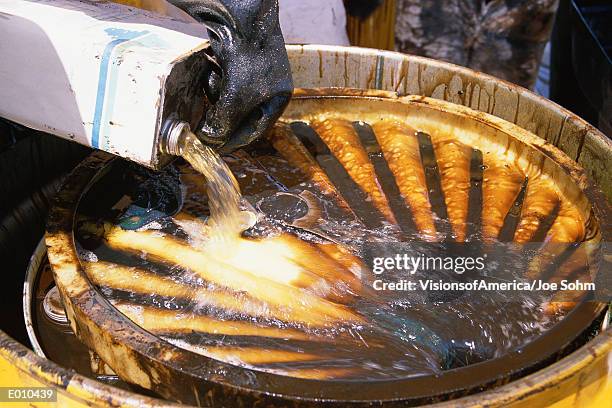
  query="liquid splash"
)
[{"x": 270, "y": 303}]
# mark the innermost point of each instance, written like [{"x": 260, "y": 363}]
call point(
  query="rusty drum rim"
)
[
  {"x": 601, "y": 209},
  {"x": 158, "y": 365},
  {"x": 85, "y": 389}
]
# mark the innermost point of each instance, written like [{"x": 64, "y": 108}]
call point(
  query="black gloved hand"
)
[{"x": 251, "y": 86}]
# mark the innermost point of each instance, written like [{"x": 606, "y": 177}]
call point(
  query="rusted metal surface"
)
[
  {"x": 567, "y": 175},
  {"x": 48, "y": 329},
  {"x": 329, "y": 66},
  {"x": 586, "y": 369},
  {"x": 579, "y": 379},
  {"x": 137, "y": 354}
]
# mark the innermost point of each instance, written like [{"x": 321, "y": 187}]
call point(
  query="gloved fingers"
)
[{"x": 251, "y": 83}]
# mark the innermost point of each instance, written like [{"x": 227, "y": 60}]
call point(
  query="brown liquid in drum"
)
[
  {"x": 454, "y": 161},
  {"x": 400, "y": 147},
  {"x": 343, "y": 141},
  {"x": 289, "y": 146},
  {"x": 293, "y": 294},
  {"x": 501, "y": 184}
]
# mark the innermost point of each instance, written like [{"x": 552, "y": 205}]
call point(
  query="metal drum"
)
[{"x": 547, "y": 370}]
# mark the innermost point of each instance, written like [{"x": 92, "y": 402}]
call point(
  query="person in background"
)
[
  {"x": 302, "y": 21},
  {"x": 504, "y": 38}
]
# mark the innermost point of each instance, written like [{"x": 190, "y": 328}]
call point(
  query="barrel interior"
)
[
  {"x": 498, "y": 141},
  {"x": 340, "y": 166}
]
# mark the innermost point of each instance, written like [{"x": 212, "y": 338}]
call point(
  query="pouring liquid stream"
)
[{"x": 226, "y": 221}]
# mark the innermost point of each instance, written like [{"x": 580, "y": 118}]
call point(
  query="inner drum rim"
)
[{"x": 189, "y": 377}]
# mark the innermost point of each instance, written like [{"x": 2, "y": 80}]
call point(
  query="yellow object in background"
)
[
  {"x": 375, "y": 31},
  {"x": 579, "y": 380}
]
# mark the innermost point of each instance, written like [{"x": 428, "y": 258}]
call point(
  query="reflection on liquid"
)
[{"x": 275, "y": 280}]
